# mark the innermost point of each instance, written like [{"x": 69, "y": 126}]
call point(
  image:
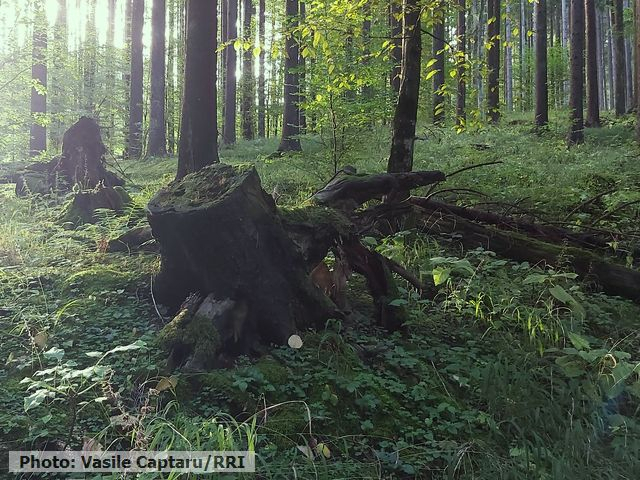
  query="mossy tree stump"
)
[{"x": 220, "y": 234}]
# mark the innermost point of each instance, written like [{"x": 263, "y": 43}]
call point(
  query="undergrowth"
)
[{"x": 512, "y": 371}]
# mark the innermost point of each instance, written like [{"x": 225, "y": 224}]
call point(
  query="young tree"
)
[
  {"x": 291, "y": 114},
  {"x": 576, "y": 74},
  {"x": 461, "y": 33},
  {"x": 38, "y": 132},
  {"x": 230, "y": 86},
  {"x": 405, "y": 116},
  {"x": 247, "y": 105},
  {"x": 493, "y": 60},
  {"x": 618, "y": 57},
  {"x": 261, "y": 65},
  {"x": 542, "y": 88},
  {"x": 134, "y": 149},
  {"x": 593, "y": 97},
  {"x": 438, "y": 66},
  {"x": 157, "y": 145},
  {"x": 199, "y": 127}
]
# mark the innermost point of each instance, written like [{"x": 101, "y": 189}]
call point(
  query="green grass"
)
[{"x": 496, "y": 378}]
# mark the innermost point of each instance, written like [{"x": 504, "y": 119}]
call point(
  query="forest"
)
[{"x": 349, "y": 239}]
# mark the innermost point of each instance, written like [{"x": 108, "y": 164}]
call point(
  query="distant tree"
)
[
  {"x": 438, "y": 66},
  {"x": 231, "y": 58},
  {"x": 291, "y": 115},
  {"x": 493, "y": 60},
  {"x": 157, "y": 145},
  {"x": 576, "y": 74},
  {"x": 542, "y": 87},
  {"x": 618, "y": 57},
  {"x": 406, "y": 112},
  {"x": 593, "y": 98},
  {"x": 247, "y": 105},
  {"x": 637, "y": 67},
  {"x": 199, "y": 126},
  {"x": 261, "y": 66},
  {"x": 90, "y": 58},
  {"x": 134, "y": 149},
  {"x": 38, "y": 132},
  {"x": 508, "y": 58},
  {"x": 461, "y": 33}
]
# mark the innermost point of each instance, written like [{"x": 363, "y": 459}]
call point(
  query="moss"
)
[
  {"x": 317, "y": 215},
  {"x": 273, "y": 371},
  {"x": 203, "y": 188}
]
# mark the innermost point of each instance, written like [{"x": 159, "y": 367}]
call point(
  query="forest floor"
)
[{"x": 496, "y": 378}]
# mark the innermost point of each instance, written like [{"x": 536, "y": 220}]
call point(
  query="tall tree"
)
[
  {"x": 637, "y": 66},
  {"x": 247, "y": 105},
  {"x": 38, "y": 132},
  {"x": 290, "y": 140},
  {"x": 395, "y": 21},
  {"x": 493, "y": 60},
  {"x": 438, "y": 66},
  {"x": 542, "y": 87},
  {"x": 58, "y": 95},
  {"x": 405, "y": 116},
  {"x": 618, "y": 57},
  {"x": 508, "y": 58},
  {"x": 199, "y": 126},
  {"x": 230, "y": 93},
  {"x": 461, "y": 33},
  {"x": 576, "y": 74},
  {"x": 261, "y": 66},
  {"x": 157, "y": 145},
  {"x": 90, "y": 51},
  {"x": 593, "y": 97},
  {"x": 134, "y": 149}
]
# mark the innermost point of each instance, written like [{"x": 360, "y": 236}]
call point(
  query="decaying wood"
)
[
  {"x": 82, "y": 208},
  {"x": 81, "y": 164}
]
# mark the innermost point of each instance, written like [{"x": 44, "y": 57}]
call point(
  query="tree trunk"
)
[
  {"x": 59, "y": 90},
  {"x": 637, "y": 66},
  {"x": 395, "y": 14},
  {"x": 508, "y": 59},
  {"x": 261, "y": 76},
  {"x": 90, "y": 59},
  {"x": 565, "y": 42},
  {"x": 229, "y": 133},
  {"x": 542, "y": 87},
  {"x": 199, "y": 125},
  {"x": 602, "y": 77},
  {"x": 618, "y": 57},
  {"x": 439, "y": 13},
  {"x": 593, "y": 99},
  {"x": 521, "y": 51},
  {"x": 405, "y": 117},
  {"x": 302, "y": 68},
  {"x": 493, "y": 60},
  {"x": 137, "y": 74},
  {"x": 38, "y": 132},
  {"x": 291, "y": 114},
  {"x": 171, "y": 88},
  {"x": 461, "y": 33},
  {"x": 157, "y": 132},
  {"x": 247, "y": 105},
  {"x": 576, "y": 86}
]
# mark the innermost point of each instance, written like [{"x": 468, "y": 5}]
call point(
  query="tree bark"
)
[
  {"x": 576, "y": 87},
  {"x": 593, "y": 96},
  {"x": 637, "y": 66},
  {"x": 134, "y": 149},
  {"x": 157, "y": 132},
  {"x": 618, "y": 57},
  {"x": 395, "y": 13},
  {"x": 247, "y": 105},
  {"x": 493, "y": 60},
  {"x": 542, "y": 87},
  {"x": 405, "y": 116},
  {"x": 199, "y": 125},
  {"x": 439, "y": 13},
  {"x": 508, "y": 59},
  {"x": 261, "y": 76},
  {"x": 38, "y": 132},
  {"x": 461, "y": 33},
  {"x": 290, "y": 142},
  {"x": 230, "y": 94}
]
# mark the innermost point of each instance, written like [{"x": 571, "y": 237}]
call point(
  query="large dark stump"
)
[
  {"x": 81, "y": 164},
  {"x": 220, "y": 235}
]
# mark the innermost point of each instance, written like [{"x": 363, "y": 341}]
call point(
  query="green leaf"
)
[
  {"x": 138, "y": 344},
  {"x": 55, "y": 353},
  {"x": 561, "y": 294},
  {"x": 36, "y": 398},
  {"x": 570, "y": 366},
  {"x": 440, "y": 275},
  {"x": 578, "y": 341}
]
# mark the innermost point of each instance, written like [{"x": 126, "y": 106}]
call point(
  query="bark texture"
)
[
  {"x": 134, "y": 148},
  {"x": 576, "y": 74},
  {"x": 493, "y": 60},
  {"x": 542, "y": 87},
  {"x": 157, "y": 130},
  {"x": 593, "y": 96}
]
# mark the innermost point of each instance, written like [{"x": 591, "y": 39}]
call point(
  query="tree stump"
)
[
  {"x": 220, "y": 234},
  {"x": 81, "y": 163}
]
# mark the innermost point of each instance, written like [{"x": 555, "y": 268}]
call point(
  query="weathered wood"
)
[
  {"x": 220, "y": 233},
  {"x": 82, "y": 208},
  {"x": 350, "y": 191}
]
